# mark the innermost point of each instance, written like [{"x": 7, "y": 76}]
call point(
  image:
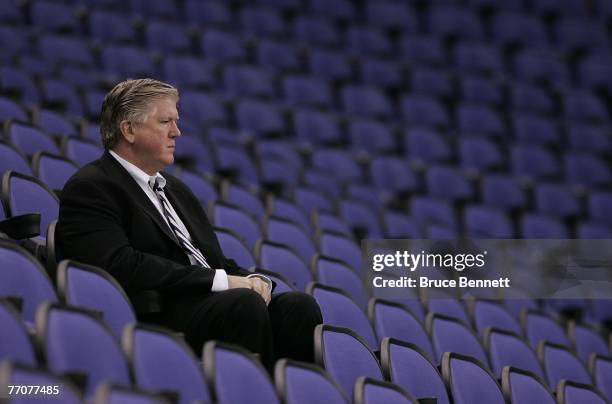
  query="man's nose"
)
[{"x": 174, "y": 130}]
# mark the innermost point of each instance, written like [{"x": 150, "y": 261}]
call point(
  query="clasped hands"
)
[{"x": 256, "y": 284}]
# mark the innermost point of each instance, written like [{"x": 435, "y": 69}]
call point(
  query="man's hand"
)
[{"x": 256, "y": 284}]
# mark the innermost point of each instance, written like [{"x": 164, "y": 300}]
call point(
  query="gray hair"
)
[{"x": 130, "y": 100}]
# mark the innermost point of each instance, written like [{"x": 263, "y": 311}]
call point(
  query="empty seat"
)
[
  {"x": 531, "y": 98},
  {"x": 508, "y": 349},
  {"x": 444, "y": 182},
  {"x": 481, "y": 91},
  {"x": 522, "y": 386},
  {"x": 360, "y": 218},
  {"x": 340, "y": 310},
  {"x": 331, "y": 65},
  {"x": 188, "y": 72},
  {"x": 113, "y": 394},
  {"x": 110, "y": 26},
  {"x": 163, "y": 361},
  {"x": 557, "y": 200},
  {"x": 422, "y": 50},
  {"x": 535, "y": 129},
  {"x": 368, "y": 390},
  {"x": 67, "y": 337},
  {"x": 24, "y": 194},
  {"x": 542, "y": 226},
  {"x": 12, "y": 159},
  {"x": 513, "y": 28},
  {"x": 487, "y": 222},
  {"x": 201, "y": 188},
  {"x": 367, "y": 41},
  {"x": 15, "y": 342},
  {"x": 366, "y": 101},
  {"x": 234, "y": 376},
  {"x": 469, "y": 381},
  {"x": 304, "y": 383},
  {"x": 282, "y": 259},
  {"x": 426, "y": 145},
  {"x": 247, "y": 81},
  {"x": 391, "y": 15},
  {"x": 584, "y": 106},
  {"x": 400, "y": 225},
  {"x": 28, "y": 139},
  {"x": 201, "y": 108},
  {"x": 406, "y": 365},
  {"x": 502, "y": 192},
  {"x": 208, "y": 13},
  {"x": 310, "y": 199},
  {"x": 392, "y": 174},
  {"x": 429, "y": 211},
  {"x": 262, "y": 21},
  {"x": 337, "y": 274},
  {"x": 222, "y": 47},
  {"x": 341, "y": 247},
  {"x": 233, "y": 217},
  {"x": 381, "y": 73},
  {"x": 601, "y": 369},
  {"x": 450, "y": 22},
  {"x": 586, "y": 341},
  {"x": 276, "y": 55},
  {"x": 53, "y": 170},
  {"x": 314, "y": 31},
  {"x": 57, "y": 49},
  {"x": 370, "y": 136},
  {"x": 589, "y": 138},
  {"x": 533, "y": 162},
  {"x": 166, "y": 37},
  {"x": 324, "y": 221},
  {"x": 302, "y": 90},
  {"x": 569, "y": 392},
  {"x": 339, "y": 9},
  {"x": 17, "y": 374},
  {"x": 538, "y": 327},
  {"x": 587, "y": 170},
  {"x": 81, "y": 285},
  {"x": 537, "y": 66},
  {"x": 477, "y": 57},
  {"x": 394, "y": 320},
  {"x": 128, "y": 61},
  {"x": 233, "y": 246},
  {"x": 559, "y": 363},
  {"x": 11, "y": 110},
  {"x": 479, "y": 120},
  {"x": 345, "y": 355},
  {"x": 489, "y": 314},
  {"x": 287, "y": 232},
  {"x": 423, "y": 111},
  {"x": 479, "y": 154},
  {"x": 314, "y": 127},
  {"x": 81, "y": 151},
  {"x": 449, "y": 335},
  {"x": 258, "y": 118}
]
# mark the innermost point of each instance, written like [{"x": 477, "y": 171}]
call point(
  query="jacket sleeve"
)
[{"x": 92, "y": 228}]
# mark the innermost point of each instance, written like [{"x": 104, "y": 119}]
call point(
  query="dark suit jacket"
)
[{"x": 106, "y": 220}]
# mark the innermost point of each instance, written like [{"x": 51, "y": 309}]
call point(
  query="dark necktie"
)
[{"x": 181, "y": 237}]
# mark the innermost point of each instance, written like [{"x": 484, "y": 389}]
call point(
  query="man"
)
[{"x": 147, "y": 229}]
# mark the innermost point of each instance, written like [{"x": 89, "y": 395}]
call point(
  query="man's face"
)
[{"x": 155, "y": 138}]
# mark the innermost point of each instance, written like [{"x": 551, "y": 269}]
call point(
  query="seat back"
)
[
  {"x": 340, "y": 310},
  {"x": 469, "y": 381},
  {"x": 304, "y": 383},
  {"x": 448, "y": 334},
  {"x": 282, "y": 259},
  {"x": 569, "y": 392},
  {"x": 508, "y": 349},
  {"x": 406, "y": 365},
  {"x": 233, "y": 247},
  {"x": 345, "y": 355},
  {"x": 53, "y": 170},
  {"x": 559, "y": 363},
  {"x": 540, "y": 327},
  {"x": 94, "y": 289},
  {"x": 521, "y": 386},
  {"x": 15, "y": 343},
  {"x": 13, "y": 374},
  {"x": 335, "y": 273},
  {"x": 24, "y": 194},
  {"x": 163, "y": 361},
  {"x": 372, "y": 391},
  {"x": 67, "y": 337},
  {"x": 393, "y": 320},
  {"x": 601, "y": 369},
  {"x": 488, "y": 314},
  {"x": 22, "y": 276},
  {"x": 235, "y": 377}
]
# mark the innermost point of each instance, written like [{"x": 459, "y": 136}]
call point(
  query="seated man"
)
[{"x": 146, "y": 228}]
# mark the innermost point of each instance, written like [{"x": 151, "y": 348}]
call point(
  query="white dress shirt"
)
[{"x": 220, "y": 281}]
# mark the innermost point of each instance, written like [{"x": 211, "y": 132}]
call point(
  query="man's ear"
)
[{"x": 127, "y": 131}]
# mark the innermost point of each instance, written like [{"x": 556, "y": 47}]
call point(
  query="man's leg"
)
[
  {"x": 294, "y": 316},
  {"x": 238, "y": 316}
]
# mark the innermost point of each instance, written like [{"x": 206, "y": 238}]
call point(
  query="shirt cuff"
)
[
  {"x": 220, "y": 282},
  {"x": 264, "y": 278}
]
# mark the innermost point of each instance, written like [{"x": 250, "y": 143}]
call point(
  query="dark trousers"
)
[{"x": 283, "y": 329}]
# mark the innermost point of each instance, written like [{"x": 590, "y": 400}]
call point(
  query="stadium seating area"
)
[{"x": 307, "y": 126}]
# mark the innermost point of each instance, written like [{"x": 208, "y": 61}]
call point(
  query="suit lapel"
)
[{"x": 118, "y": 173}]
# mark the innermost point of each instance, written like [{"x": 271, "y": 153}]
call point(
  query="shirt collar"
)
[{"x": 139, "y": 176}]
